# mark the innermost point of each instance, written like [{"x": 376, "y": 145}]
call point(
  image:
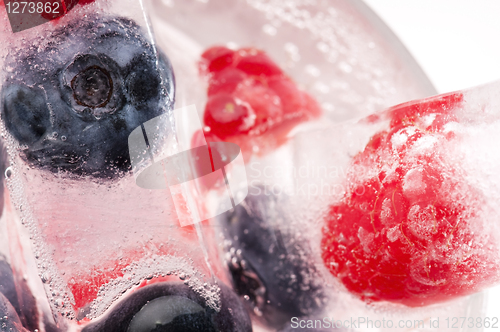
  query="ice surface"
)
[
  {"x": 339, "y": 52},
  {"x": 447, "y": 148},
  {"x": 87, "y": 229},
  {"x": 94, "y": 239}
]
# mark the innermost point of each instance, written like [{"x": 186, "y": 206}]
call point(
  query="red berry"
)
[
  {"x": 266, "y": 103},
  {"x": 227, "y": 115},
  {"x": 217, "y": 58},
  {"x": 295, "y": 103},
  {"x": 255, "y": 62},
  {"x": 408, "y": 229},
  {"x": 225, "y": 81}
]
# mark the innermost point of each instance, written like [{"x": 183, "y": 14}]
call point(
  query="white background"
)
[{"x": 457, "y": 44}]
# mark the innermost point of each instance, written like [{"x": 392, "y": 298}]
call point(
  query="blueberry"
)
[
  {"x": 73, "y": 98},
  {"x": 9, "y": 320},
  {"x": 269, "y": 267},
  {"x": 24, "y": 302},
  {"x": 7, "y": 285},
  {"x": 173, "y": 306}
]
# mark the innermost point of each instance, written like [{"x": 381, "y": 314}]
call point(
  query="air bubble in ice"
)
[
  {"x": 168, "y": 3},
  {"x": 8, "y": 172},
  {"x": 322, "y": 87},
  {"x": 312, "y": 70},
  {"x": 269, "y": 29},
  {"x": 59, "y": 302},
  {"x": 345, "y": 67},
  {"x": 46, "y": 278},
  {"x": 293, "y": 51},
  {"x": 323, "y": 47}
]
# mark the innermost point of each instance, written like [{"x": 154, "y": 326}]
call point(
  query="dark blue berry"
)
[
  {"x": 9, "y": 320},
  {"x": 74, "y": 97},
  {"x": 269, "y": 267},
  {"x": 20, "y": 297},
  {"x": 7, "y": 285},
  {"x": 174, "y": 306}
]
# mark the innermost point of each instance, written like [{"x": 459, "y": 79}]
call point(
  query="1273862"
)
[
  {"x": 23, "y": 7},
  {"x": 472, "y": 322}
]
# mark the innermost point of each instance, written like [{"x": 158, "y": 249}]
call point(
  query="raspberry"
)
[
  {"x": 408, "y": 230},
  {"x": 228, "y": 111},
  {"x": 251, "y": 102},
  {"x": 217, "y": 58}
]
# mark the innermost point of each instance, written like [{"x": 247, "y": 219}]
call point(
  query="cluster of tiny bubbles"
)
[
  {"x": 337, "y": 40},
  {"x": 153, "y": 267},
  {"x": 52, "y": 281},
  {"x": 269, "y": 29}
]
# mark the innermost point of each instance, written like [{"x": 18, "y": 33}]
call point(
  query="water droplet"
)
[{"x": 63, "y": 138}]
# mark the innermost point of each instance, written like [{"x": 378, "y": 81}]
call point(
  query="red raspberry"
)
[
  {"x": 267, "y": 104},
  {"x": 255, "y": 62},
  {"x": 216, "y": 58},
  {"x": 233, "y": 115},
  {"x": 408, "y": 229}
]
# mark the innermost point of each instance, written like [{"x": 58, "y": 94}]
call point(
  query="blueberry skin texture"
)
[
  {"x": 231, "y": 318},
  {"x": 9, "y": 320},
  {"x": 267, "y": 264},
  {"x": 23, "y": 303},
  {"x": 73, "y": 98},
  {"x": 7, "y": 285}
]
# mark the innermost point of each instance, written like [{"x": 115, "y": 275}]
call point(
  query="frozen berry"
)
[
  {"x": 19, "y": 296},
  {"x": 271, "y": 104},
  {"x": 230, "y": 113},
  {"x": 269, "y": 267},
  {"x": 72, "y": 101},
  {"x": 216, "y": 58},
  {"x": 9, "y": 320},
  {"x": 256, "y": 63},
  {"x": 173, "y": 306},
  {"x": 408, "y": 230}
]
